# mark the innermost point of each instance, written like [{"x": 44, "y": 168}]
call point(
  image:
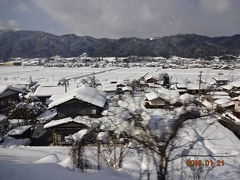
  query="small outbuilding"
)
[{"x": 21, "y": 132}]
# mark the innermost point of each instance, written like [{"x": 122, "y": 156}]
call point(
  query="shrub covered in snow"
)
[
  {"x": 27, "y": 109},
  {"x": 153, "y": 130}
]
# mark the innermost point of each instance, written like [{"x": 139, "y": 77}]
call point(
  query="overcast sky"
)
[{"x": 123, "y": 18}]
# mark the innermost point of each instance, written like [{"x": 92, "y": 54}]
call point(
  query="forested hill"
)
[{"x": 32, "y": 44}]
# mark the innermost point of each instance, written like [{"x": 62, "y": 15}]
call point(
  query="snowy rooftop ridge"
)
[
  {"x": 54, "y": 123},
  {"x": 86, "y": 94},
  {"x": 47, "y": 115},
  {"x": 42, "y": 91},
  {"x": 3, "y": 88},
  {"x": 18, "y": 130},
  {"x": 168, "y": 95}
]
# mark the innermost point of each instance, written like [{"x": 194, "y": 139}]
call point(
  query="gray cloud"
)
[
  {"x": 124, "y": 18},
  {"x": 25, "y": 14}
]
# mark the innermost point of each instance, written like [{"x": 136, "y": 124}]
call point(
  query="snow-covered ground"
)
[
  {"x": 22, "y": 74},
  {"x": 46, "y": 163},
  {"x": 208, "y": 140}
]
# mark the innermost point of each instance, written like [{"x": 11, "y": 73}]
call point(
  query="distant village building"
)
[
  {"x": 151, "y": 79},
  {"x": 161, "y": 98},
  {"x": 109, "y": 89},
  {"x": 227, "y": 88},
  {"x": 127, "y": 90},
  {"x": 223, "y": 105},
  {"x": 154, "y": 100},
  {"x": 194, "y": 88},
  {"x": 220, "y": 81},
  {"x": 182, "y": 88}
]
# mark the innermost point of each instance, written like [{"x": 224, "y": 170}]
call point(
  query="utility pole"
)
[
  {"x": 200, "y": 82},
  {"x": 65, "y": 83},
  {"x": 213, "y": 100}
]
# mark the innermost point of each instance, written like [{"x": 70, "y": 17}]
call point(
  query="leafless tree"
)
[{"x": 91, "y": 81}]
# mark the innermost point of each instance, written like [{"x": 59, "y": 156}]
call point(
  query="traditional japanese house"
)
[
  {"x": 153, "y": 100},
  {"x": 151, "y": 79},
  {"x": 220, "y": 81},
  {"x": 194, "y": 88},
  {"x": 127, "y": 90},
  {"x": 182, "y": 88},
  {"x": 161, "y": 99},
  {"x": 8, "y": 94},
  {"x": 81, "y": 101},
  {"x": 64, "y": 127},
  {"x": 223, "y": 105}
]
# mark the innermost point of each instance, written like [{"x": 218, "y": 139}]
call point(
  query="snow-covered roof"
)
[
  {"x": 186, "y": 98},
  {"x": 230, "y": 103},
  {"x": 222, "y": 101},
  {"x": 47, "y": 116},
  {"x": 3, "y": 88},
  {"x": 168, "y": 95},
  {"x": 127, "y": 88},
  {"x": 18, "y": 130},
  {"x": 220, "y": 93},
  {"x": 181, "y": 86},
  {"x": 236, "y": 84},
  {"x": 58, "y": 122},
  {"x": 86, "y": 94},
  {"x": 108, "y": 87},
  {"x": 221, "y": 78},
  {"x": 150, "y": 77},
  {"x": 154, "y": 85},
  {"x": 151, "y": 96},
  {"x": 208, "y": 104},
  {"x": 228, "y": 114},
  {"x": 236, "y": 98},
  {"x": 11, "y": 142},
  {"x": 49, "y": 84},
  {"x": 43, "y": 91},
  {"x": 227, "y": 87},
  {"x": 221, "y": 97},
  {"x": 236, "y": 92}
]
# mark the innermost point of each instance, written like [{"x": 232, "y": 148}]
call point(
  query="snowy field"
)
[{"x": 22, "y": 74}]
